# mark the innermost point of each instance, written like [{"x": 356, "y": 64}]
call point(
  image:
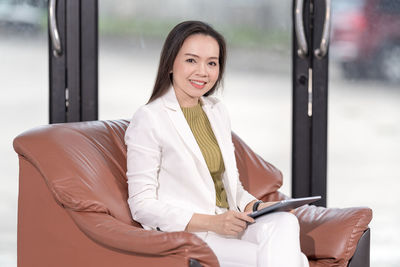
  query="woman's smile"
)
[{"x": 198, "y": 84}]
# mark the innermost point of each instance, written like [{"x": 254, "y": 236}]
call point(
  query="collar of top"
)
[{"x": 170, "y": 100}]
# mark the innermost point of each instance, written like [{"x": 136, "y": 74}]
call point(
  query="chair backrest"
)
[
  {"x": 259, "y": 177},
  {"x": 84, "y": 165}
]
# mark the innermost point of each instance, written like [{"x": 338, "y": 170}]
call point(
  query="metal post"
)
[
  {"x": 74, "y": 71},
  {"x": 310, "y": 83}
]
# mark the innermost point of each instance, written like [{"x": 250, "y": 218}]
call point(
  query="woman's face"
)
[{"x": 195, "y": 69}]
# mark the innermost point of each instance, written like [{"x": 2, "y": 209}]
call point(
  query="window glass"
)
[
  {"x": 389, "y": 6},
  {"x": 24, "y": 101},
  {"x": 346, "y": 5},
  {"x": 364, "y": 123}
]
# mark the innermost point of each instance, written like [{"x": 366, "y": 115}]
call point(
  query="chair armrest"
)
[
  {"x": 109, "y": 232},
  {"x": 330, "y": 233}
]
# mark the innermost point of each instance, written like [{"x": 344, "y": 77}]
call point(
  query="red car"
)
[{"x": 366, "y": 38}]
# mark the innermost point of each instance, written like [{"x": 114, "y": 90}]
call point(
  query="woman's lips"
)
[{"x": 198, "y": 84}]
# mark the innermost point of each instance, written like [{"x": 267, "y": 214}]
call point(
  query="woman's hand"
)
[
  {"x": 266, "y": 204},
  {"x": 230, "y": 223},
  {"x": 249, "y": 206}
]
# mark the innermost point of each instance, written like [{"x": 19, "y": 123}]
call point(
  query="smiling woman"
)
[
  {"x": 195, "y": 55},
  {"x": 181, "y": 167}
]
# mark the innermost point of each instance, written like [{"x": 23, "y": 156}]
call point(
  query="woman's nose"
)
[{"x": 202, "y": 69}]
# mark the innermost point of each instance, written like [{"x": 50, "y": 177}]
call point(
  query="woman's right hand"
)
[{"x": 230, "y": 223}]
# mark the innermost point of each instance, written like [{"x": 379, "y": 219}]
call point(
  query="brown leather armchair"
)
[{"x": 73, "y": 211}]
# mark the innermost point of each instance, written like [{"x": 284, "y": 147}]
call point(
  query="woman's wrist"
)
[
  {"x": 256, "y": 204},
  {"x": 200, "y": 223},
  {"x": 249, "y": 206}
]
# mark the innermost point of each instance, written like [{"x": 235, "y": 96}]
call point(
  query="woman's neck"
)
[{"x": 186, "y": 101}]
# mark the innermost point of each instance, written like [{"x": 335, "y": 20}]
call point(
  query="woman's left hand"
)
[
  {"x": 249, "y": 206},
  {"x": 266, "y": 204}
]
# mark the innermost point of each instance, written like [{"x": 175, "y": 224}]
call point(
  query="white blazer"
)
[{"x": 168, "y": 178}]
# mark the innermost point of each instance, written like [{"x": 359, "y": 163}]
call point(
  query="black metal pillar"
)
[
  {"x": 319, "y": 107},
  {"x": 310, "y": 87},
  {"x": 74, "y": 71},
  {"x": 57, "y": 69},
  {"x": 89, "y": 60}
]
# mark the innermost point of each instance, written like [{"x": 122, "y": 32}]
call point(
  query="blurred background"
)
[{"x": 364, "y": 91}]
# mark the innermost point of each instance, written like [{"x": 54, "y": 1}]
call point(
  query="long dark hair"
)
[{"x": 171, "y": 47}]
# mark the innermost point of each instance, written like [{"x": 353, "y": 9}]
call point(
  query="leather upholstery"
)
[{"x": 73, "y": 210}]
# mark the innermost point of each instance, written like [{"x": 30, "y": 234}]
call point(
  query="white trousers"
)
[{"x": 272, "y": 241}]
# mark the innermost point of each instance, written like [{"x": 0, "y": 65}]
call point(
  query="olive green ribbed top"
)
[{"x": 202, "y": 131}]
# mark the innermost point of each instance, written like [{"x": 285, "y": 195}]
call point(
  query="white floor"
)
[{"x": 364, "y": 129}]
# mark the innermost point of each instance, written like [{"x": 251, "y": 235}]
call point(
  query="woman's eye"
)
[
  {"x": 212, "y": 63},
  {"x": 190, "y": 60}
]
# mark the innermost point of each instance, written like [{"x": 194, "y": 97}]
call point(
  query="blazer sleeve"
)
[
  {"x": 144, "y": 152},
  {"x": 242, "y": 196}
]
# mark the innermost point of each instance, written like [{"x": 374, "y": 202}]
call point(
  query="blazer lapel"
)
[
  {"x": 179, "y": 121},
  {"x": 224, "y": 141}
]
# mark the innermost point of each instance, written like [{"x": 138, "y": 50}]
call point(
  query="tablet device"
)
[{"x": 284, "y": 205}]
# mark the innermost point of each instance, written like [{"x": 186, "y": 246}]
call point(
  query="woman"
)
[{"x": 181, "y": 167}]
